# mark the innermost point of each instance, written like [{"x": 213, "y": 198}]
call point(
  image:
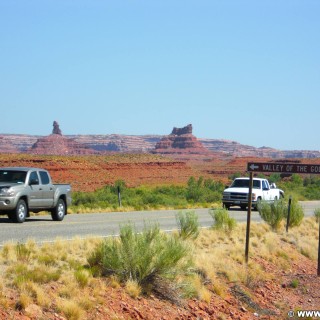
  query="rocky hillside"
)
[{"x": 84, "y": 144}]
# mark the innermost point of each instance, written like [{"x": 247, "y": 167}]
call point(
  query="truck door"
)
[
  {"x": 47, "y": 189},
  {"x": 35, "y": 192},
  {"x": 265, "y": 190}
]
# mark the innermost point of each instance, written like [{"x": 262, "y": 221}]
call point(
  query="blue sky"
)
[{"x": 247, "y": 71}]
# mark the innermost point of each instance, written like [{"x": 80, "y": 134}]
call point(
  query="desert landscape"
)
[
  {"x": 277, "y": 280},
  {"x": 90, "y": 162}
]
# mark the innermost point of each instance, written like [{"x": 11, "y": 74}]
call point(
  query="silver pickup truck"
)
[{"x": 30, "y": 189}]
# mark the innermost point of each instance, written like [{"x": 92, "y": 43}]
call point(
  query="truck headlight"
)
[{"x": 8, "y": 192}]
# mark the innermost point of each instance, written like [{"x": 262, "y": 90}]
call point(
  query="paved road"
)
[{"x": 106, "y": 224}]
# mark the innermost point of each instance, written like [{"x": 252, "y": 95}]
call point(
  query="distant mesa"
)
[
  {"x": 57, "y": 144},
  {"x": 180, "y": 141}
]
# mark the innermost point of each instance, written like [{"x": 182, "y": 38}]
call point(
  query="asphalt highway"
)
[{"x": 43, "y": 229}]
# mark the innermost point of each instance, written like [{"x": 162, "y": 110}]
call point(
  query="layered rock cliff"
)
[
  {"x": 180, "y": 141},
  {"x": 84, "y": 144}
]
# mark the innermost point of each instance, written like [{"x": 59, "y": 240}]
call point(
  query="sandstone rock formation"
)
[
  {"x": 180, "y": 141},
  {"x": 56, "y": 128},
  {"x": 180, "y": 131},
  {"x": 57, "y": 144}
]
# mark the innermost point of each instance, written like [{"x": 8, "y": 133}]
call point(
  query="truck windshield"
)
[
  {"x": 239, "y": 183},
  {"x": 12, "y": 176}
]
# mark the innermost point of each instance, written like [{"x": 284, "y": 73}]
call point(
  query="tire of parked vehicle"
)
[
  {"x": 226, "y": 206},
  {"x": 258, "y": 204},
  {"x": 20, "y": 213},
  {"x": 59, "y": 211}
]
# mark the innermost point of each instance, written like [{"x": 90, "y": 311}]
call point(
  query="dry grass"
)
[
  {"x": 71, "y": 309},
  {"x": 222, "y": 255},
  {"x": 133, "y": 289},
  {"x": 54, "y": 275}
]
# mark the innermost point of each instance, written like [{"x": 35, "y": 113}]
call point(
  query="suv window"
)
[{"x": 44, "y": 177}]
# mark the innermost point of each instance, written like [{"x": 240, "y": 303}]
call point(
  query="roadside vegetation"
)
[
  {"x": 199, "y": 192},
  {"x": 72, "y": 278},
  {"x": 300, "y": 188},
  {"x": 277, "y": 212}
]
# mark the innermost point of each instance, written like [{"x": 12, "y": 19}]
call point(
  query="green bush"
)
[
  {"x": 188, "y": 224},
  {"x": 296, "y": 214},
  {"x": 222, "y": 220},
  {"x": 203, "y": 191},
  {"x": 273, "y": 213},
  {"x": 140, "y": 256}
]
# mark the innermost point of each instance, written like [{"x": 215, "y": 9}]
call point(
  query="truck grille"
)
[{"x": 238, "y": 196}]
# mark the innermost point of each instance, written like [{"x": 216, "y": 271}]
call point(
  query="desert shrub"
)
[
  {"x": 312, "y": 192},
  {"x": 275, "y": 178},
  {"x": 188, "y": 224},
  {"x": 194, "y": 190},
  {"x": 203, "y": 191},
  {"x": 82, "y": 277},
  {"x": 317, "y": 214},
  {"x": 140, "y": 256},
  {"x": 222, "y": 220},
  {"x": 273, "y": 213},
  {"x": 296, "y": 214},
  {"x": 23, "y": 253}
]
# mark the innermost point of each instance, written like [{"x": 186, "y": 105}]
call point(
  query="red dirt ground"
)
[{"x": 88, "y": 173}]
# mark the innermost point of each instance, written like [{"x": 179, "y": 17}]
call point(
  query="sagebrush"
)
[{"x": 142, "y": 257}]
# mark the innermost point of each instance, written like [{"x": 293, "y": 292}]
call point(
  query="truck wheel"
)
[
  {"x": 59, "y": 211},
  {"x": 226, "y": 206},
  {"x": 258, "y": 204},
  {"x": 20, "y": 213}
]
